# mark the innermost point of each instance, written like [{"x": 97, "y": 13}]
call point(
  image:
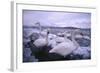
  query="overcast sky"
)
[{"x": 59, "y": 19}]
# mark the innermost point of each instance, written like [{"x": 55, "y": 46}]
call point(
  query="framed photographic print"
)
[{"x": 52, "y": 36}]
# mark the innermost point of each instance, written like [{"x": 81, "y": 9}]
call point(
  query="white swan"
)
[
  {"x": 83, "y": 36},
  {"x": 38, "y": 23},
  {"x": 52, "y": 43},
  {"x": 51, "y": 40},
  {"x": 65, "y": 47},
  {"x": 59, "y": 39},
  {"x": 41, "y": 41},
  {"x": 79, "y": 36},
  {"x": 63, "y": 39},
  {"x": 54, "y": 40}
]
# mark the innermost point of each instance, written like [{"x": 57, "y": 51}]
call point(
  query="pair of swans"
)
[
  {"x": 45, "y": 39},
  {"x": 64, "y": 48}
]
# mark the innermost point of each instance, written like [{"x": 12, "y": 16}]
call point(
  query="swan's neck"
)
[
  {"x": 40, "y": 30},
  {"x": 47, "y": 38},
  {"x": 65, "y": 37},
  {"x": 74, "y": 41}
]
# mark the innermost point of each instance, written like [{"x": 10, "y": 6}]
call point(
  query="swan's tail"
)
[{"x": 52, "y": 51}]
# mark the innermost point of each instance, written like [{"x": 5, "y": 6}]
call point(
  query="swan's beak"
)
[
  {"x": 81, "y": 34},
  {"x": 48, "y": 32}
]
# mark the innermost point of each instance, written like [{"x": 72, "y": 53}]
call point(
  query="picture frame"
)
[{"x": 18, "y": 21}]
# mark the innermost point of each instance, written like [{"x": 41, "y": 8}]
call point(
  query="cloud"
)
[{"x": 59, "y": 19}]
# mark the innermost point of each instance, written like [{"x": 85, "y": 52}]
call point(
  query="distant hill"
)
[{"x": 54, "y": 27}]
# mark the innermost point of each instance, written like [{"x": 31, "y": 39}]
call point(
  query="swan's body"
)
[
  {"x": 65, "y": 47},
  {"x": 52, "y": 43},
  {"x": 62, "y": 34},
  {"x": 54, "y": 40},
  {"x": 51, "y": 36},
  {"x": 40, "y": 42},
  {"x": 82, "y": 36},
  {"x": 78, "y": 36},
  {"x": 61, "y": 39},
  {"x": 51, "y": 40}
]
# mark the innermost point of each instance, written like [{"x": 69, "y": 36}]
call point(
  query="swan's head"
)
[
  {"x": 48, "y": 31},
  {"x": 67, "y": 34}
]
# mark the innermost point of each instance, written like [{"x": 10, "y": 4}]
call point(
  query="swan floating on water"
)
[
  {"x": 41, "y": 41},
  {"x": 54, "y": 40}
]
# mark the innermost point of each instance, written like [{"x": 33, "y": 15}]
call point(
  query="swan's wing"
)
[
  {"x": 52, "y": 43},
  {"x": 40, "y": 42},
  {"x": 63, "y": 48},
  {"x": 66, "y": 48}
]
